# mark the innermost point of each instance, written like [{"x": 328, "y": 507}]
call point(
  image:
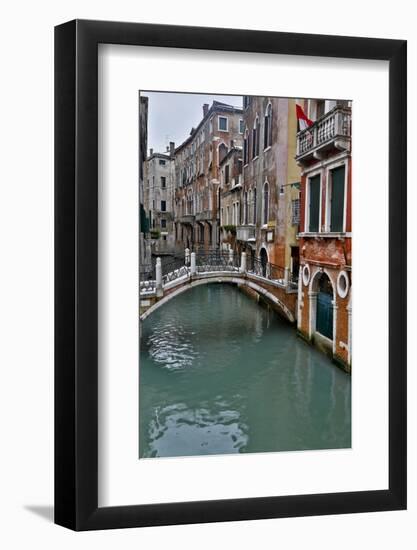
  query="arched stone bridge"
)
[{"x": 274, "y": 284}]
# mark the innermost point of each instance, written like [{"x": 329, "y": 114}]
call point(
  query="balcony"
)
[
  {"x": 205, "y": 215},
  {"x": 245, "y": 233},
  {"x": 188, "y": 218},
  {"x": 331, "y": 131}
]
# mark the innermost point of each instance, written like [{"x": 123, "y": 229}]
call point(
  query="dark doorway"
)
[
  {"x": 324, "y": 315},
  {"x": 264, "y": 261}
]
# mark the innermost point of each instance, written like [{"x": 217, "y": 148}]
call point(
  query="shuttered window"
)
[
  {"x": 337, "y": 199},
  {"x": 314, "y": 205}
]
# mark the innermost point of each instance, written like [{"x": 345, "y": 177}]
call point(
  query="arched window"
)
[
  {"x": 255, "y": 138},
  {"x": 265, "y": 200},
  {"x": 222, "y": 151},
  {"x": 254, "y": 206},
  {"x": 246, "y": 148},
  {"x": 250, "y": 207},
  {"x": 245, "y": 209},
  {"x": 268, "y": 127}
]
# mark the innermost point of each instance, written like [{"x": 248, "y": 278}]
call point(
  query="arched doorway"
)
[
  {"x": 324, "y": 312},
  {"x": 264, "y": 261}
]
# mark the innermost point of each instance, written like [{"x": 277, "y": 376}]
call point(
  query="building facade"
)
[
  {"x": 197, "y": 176},
  {"x": 325, "y": 238},
  {"x": 230, "y": 196},
  {"x": 270, "y": 185},
  {"x": 159, "y": 199},
  {"x": 144, "y": 244}
]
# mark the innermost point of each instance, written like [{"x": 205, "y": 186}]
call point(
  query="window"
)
[
  {"x": 163, "y": 223},
  {"x": 268, "y": 127},
  {"x": 255, "y": 139},
  {"x": 163, "y": 182},
  {"x": 241, "y": 126},
  {"x": 163, "y": 206},
  {"x": 337, "y": 199},
  {"x": 320, "y": 108},
  {"x": 314, "y": 204},
  {"x": 223, "y": 124},
  {"x": 226, "y": 174},
  {"x": 265, "y": 200},
  {"x": 246, "y": 148},
  {"x": 254, "y": 207},
  {"x": 222, "y": 151},
  {"x": 246, "y": 101},
  {"x": 295, "y": 212},
  {"x": 162, "y": 162}
]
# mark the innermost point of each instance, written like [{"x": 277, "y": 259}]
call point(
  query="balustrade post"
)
[
  {"x": 187, "y": 256},
  {"x": 193, "y": 264},
  {"x": 158, "y": 273},
  {"x": 286, "y": 276},
  {"x": 243, "y": 263}
]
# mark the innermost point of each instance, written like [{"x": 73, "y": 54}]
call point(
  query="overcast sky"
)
[{"x": 172, "y": 115}]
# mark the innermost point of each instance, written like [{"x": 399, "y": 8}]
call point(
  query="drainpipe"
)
[{"x": 158, "y": 271}]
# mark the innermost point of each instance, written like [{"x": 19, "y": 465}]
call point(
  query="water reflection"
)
[{"x": 222, "y": 374}]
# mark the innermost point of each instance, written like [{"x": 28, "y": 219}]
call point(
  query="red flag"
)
[{"x": 302, "y": 119}]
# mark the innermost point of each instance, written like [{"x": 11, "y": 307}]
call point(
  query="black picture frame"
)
[{"x": 76, "y": 272}]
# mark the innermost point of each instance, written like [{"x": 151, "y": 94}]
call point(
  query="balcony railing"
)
[
  {"x": 204, "y": 215},
  {"x": 245, "y": 232},
  {"x": 331, "y": 130}
]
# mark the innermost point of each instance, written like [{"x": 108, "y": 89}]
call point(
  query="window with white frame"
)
[
  {"x": 241, "y": 126},
  {"x": 223, "y": 124}
]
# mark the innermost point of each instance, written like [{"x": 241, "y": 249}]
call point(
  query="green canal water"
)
[{"x": 220, "y": 373}]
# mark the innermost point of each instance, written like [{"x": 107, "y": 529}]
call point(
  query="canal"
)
[{"x": 220, "y": 373}]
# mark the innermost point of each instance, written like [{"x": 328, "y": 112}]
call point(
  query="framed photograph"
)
[{"x": 219, "y": 193}]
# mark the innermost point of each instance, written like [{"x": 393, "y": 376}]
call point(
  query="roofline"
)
[{"x": 215, "y": 107}]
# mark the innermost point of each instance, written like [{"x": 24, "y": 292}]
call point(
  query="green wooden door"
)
[
  {"x": 337, "y": 199},
  {"x": 324, "y": 320},
  {"x": 314, "y": 204}
]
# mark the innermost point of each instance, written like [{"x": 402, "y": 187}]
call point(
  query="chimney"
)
[
  {"x": 171, "y": 148},
  {"x": 150, "y": 152},
  {"x": 205, "y": 109}
]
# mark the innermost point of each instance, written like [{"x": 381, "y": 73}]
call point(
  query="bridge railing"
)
[
  {"x": 147, "y": 282},
  {"x": 174, "y": 269},
  {"x": 217, "y": 261},
  {"x": 266, "y": 269}
]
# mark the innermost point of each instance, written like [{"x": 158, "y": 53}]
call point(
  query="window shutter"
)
[
  {"x": 314, "y": 206},
  {"x": 337, "y": 199}
]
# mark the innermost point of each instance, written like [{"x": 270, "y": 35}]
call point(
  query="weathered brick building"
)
[
  {"x": 270, "y": 183},
  {"x": 159, "y": 199},
  {"x": 230, "y": 198},
  {"x": 324, "y": 298},
  {"x": 197, "y": 176}
]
